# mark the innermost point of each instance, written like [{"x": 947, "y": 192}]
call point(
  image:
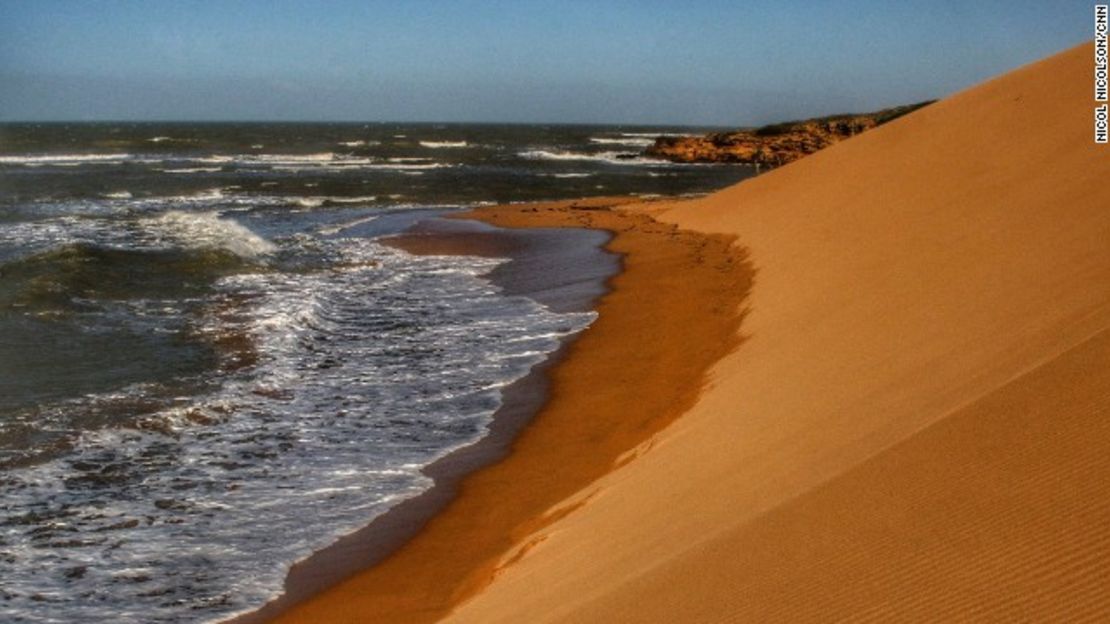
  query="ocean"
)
[{"x": 210, "y": 365}]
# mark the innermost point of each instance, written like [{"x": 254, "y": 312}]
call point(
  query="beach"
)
[
  {"x": 624, "y": 379},
  {"x": 504, "y": 313},
  {"x": 869, "y": 385},
  {"x": 577, "y": 269}
]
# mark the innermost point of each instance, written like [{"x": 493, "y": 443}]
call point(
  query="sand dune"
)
[{"x": 915, "y": 426}]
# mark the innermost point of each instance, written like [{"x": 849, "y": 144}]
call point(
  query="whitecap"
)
[
  {"x": 308, "y": 158},
  {"x": 407, "y": 165},
  {"x": 62, "y": 159},
  {"x": 309, "y": 202},
  {"x": 359, "y": 143},
  {"x": 353, "y": 200},
  {"x": 630, "y": 141},
  {"x": 218, "y": 158},
  {"x": 316, "y": 201},
  {"x": 612, "y": 158},
  {"x": 192, "y": 170},
  {"x": 206, "y": 230}
]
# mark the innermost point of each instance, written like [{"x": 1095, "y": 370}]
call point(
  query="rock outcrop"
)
[{"x": 775, "y": 144}]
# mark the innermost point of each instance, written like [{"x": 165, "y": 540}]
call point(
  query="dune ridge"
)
[{"x": 914, "y": 426}]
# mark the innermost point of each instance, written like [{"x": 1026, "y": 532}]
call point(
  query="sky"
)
[{"x": 728, "y": 63}]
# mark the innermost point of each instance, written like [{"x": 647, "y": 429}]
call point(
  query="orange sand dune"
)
[{"x": 917, "y": 424}]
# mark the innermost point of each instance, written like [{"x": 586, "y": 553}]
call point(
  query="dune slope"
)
[{"x": 915, "y": 423}]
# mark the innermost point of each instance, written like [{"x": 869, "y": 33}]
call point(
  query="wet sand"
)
[
  {"x": 673, "y": 310},
  {"x": 576, "y": 269}
]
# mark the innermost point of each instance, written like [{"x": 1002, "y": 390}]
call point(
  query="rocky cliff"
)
[{"x": 775, "y": 144}]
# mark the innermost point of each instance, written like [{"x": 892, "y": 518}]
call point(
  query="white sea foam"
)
[
  {"x": 287, "y": 158},
  {"x": 193, "y": 170},
  {"x": 409, "y": 168},
  {"x": 317, "y": 201},
  {"x": 206, "y": 196},
  {"x": 612, "y": 158},
  {"x": 163, "y": 523},
  {"x": 353, "y": 200},
  {"x": 206, "y": 230},
  {"x": 320, "y": 158},
  {"x": 309, "y": 202},
  {"x": 218, "y": 158},
  {"x": 408, "y": 159},
  {"x": 183, "y": 221},
  {"x": 295, "y": 162},
  {"x": 630, "y": 141},
  {"x": 62, "y": 159},
  {"x": 443, "y": 144},
  {"x": 408, "y": 165}
]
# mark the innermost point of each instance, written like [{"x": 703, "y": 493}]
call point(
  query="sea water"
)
[{"x": 211, "y": 366}]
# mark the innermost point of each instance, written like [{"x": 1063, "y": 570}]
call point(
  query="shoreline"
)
[
  {"x": 670, "y": 314},
  {"x": 520, "y": 401}
]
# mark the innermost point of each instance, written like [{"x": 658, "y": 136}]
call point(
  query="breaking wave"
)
[{"x": 612, "y": 158}]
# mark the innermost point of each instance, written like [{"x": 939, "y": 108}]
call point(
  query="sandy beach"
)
[
  {"x": 870, "y": 385},
  {"x": 547, "y": 313},
  {"x": 577, "y": 269},
  {"x": 672, "y": 311}
]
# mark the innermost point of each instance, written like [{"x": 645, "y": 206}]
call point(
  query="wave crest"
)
[
  {"x": 206, "y": 230},
  {"x": 612, "y": 158}
]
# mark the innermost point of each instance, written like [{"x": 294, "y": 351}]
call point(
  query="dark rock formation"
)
[{"x": 775, "y": 144}]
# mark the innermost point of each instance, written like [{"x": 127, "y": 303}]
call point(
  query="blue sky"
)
[{"x": 725, "y": 63}]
